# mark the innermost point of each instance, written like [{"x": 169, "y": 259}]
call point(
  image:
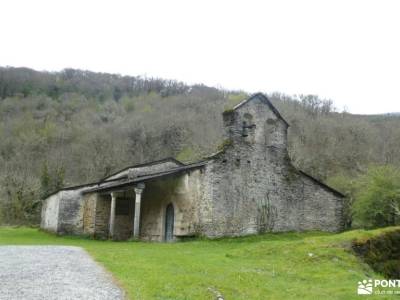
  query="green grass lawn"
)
[{"x": 309, "y": 265}]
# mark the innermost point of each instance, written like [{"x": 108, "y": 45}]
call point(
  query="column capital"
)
[{"x": 139, "y": 188}]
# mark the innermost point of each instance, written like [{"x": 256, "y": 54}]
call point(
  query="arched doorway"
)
[{"x": 169, "y": 223}]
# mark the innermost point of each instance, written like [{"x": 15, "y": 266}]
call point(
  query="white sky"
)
[{"x": 348, "y": 51}]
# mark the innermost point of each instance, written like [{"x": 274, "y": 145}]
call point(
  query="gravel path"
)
[{"x": 53, "y": 272}]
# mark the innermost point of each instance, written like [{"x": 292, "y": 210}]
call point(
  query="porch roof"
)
[{"x": 126, "y": 182}]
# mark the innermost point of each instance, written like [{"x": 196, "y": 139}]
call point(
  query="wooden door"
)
[{"x": 169, "y": 223}]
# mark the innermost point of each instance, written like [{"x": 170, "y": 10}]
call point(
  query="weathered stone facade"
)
[
  {"x": 252, "y": 186},
  {"x": 249, "y": 187},
  {"x": 62, "y": 212},
  {"x": 183, "y": 192}
]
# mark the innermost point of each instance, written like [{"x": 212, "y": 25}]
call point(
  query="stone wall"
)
[
  {"x": 97, "y": 216},
  {"x": 63, "y": 212},
  {"x": 124, "y": 222},
  {"x": 89, "y": 213},
  {"x": 66, "y": 208},
  {"x": 251, "y": 186},
  {"x": 70, "y": 219},
  {"x": 102, "y": 216},
  {"x": 183, "y": 191},
  {"x": 50, "y": 209}
]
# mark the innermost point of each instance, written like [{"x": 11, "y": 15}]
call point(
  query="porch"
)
[{"x": 158, "y": 209}]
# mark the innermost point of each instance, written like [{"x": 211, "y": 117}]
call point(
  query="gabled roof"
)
[
  {"x": 122, "y": 181},
  {"x": 150, "y": 163},
  {"x": 78, "y": 187},
  {"x": 265, "y": 100},
  {"x": 143, "y": 178},
  {"x": 110, "y": 181}
]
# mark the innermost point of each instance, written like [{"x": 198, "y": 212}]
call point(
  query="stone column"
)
[
  {"x": 136, "y": 221},
  {"x": 112, "y": 214}
]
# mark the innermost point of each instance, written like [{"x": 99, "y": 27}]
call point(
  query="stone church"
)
[{"x": 248, "y": 187}]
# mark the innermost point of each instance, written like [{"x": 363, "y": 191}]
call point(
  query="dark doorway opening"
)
[{"x": 169, "y": 223}]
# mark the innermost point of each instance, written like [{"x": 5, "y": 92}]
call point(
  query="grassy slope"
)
[{"x": 270, "y": 266}]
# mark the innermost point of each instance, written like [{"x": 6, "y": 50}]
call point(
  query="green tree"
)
[
  {"x": 58, "y": 181},
  {"x": 378, "y": 197},
  {"x": 51, "y": 181},
  {"x": 45, "y": 182}
]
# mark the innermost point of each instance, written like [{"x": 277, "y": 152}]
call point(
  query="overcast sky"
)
[{"x": 348, "y": 51}]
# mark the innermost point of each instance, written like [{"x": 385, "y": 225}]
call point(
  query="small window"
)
[
  {"x": 248, "y": 125},
  {"x": 122, "y": 207},
  {"x": 248, "y": 117},
  {"x": 245, "y": 130}
]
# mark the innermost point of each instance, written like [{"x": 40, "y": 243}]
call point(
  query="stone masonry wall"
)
[
  {"x": 97, "y": 217},
  {"x": 102, "y": 216},
  {"x": 251, "y": 186},
  {"x": 66, "y": 208},
  {"x": 183, "y": 191},
  {"x": 70, "y": 219},
  {"x": 89, "y": 214},
  {"x": 124, "y": 222},
  {"x": 50, "y": 209}
]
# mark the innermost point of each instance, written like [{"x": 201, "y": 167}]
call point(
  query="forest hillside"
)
[{"x": 64, "y": 128}]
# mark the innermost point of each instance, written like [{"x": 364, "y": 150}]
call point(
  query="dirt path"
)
[{"x": 53, "y": 272}]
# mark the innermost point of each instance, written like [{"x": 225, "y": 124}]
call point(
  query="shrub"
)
[{"x": 378, "y": 198}]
